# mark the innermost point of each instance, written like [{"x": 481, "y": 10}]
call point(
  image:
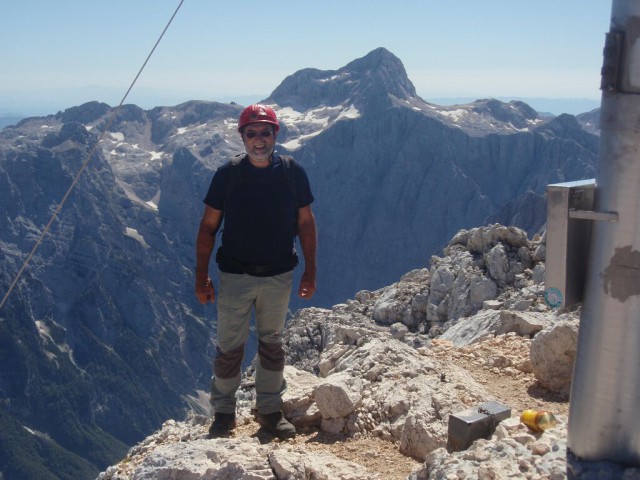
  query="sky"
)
[{"x": 58, "y": 54}]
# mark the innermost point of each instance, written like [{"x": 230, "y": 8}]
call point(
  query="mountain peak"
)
[
  {"x": 380, "y": 58},
  {"x": 372, "y": 78}
]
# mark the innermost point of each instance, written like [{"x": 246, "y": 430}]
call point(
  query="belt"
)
[{"x": 230, "y": 264}]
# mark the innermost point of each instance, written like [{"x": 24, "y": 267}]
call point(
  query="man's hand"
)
[
  {"x": 308, "y": 241},
  {"x": 204, "y": 289},
  {"x": 307, "y": 285},
  {"x": 205, "y": 242}
]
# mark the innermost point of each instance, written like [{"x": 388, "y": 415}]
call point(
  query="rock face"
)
[{"x": 107, "y": 306}]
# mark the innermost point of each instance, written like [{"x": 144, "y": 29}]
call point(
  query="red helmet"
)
[{"x": 258, "y": 113}]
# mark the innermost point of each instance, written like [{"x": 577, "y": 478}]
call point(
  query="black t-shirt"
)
[{"x": 260, "y": 210}]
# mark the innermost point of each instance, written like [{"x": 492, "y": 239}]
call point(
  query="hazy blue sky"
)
[{"x": 56, "y": 54}]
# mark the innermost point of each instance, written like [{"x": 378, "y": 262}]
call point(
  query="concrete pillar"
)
[{"x": 604, "y": 413}]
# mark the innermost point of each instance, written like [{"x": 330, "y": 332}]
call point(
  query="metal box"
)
[
  {"x": 568, "y": 240},
  {"x": 469, "y": 425}
]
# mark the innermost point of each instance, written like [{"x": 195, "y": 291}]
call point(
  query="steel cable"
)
[{"x": 110, "y": 120}]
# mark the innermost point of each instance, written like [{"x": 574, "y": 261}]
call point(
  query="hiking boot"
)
[
  {"x": 222, "y": 425},
  {"x": 276, "y": 424}
]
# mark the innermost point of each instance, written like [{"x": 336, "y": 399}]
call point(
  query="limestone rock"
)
[
  {"x": 298, "y": 400},
  {"x": 484, "y": 264},
  {"x": 317, "y": 465},
  {"x": 494, "y": 322},
  {"x": 338, "y": 395},
  {"x": 223, "y": 458},
  {"x": 553, "y": 353},
  {"x": 404, "y": 302},
  {"x": 405, "y": 398}
]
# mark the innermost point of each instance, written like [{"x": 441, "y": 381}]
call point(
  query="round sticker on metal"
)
[{"x": 553, "y": 297}]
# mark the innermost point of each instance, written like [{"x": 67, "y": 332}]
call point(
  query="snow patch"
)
[
  {"x": 133, "y": 233},
  {"x": 117, "y": 136},
  {"x": 290, "y": 114},
  {"x": 351, "y": 113},
  {"x": 297, "y": 142},
  {"x": 36, "y": 433},
  {"x": 456, "y": 115},
  {"x": 334, "y": 77},
  {"x": 313, "y": 122},
  {"x": 44, "y": 332},
  {"x": 511, "y": 126}
]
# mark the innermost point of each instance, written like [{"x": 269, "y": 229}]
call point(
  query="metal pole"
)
[{"x": 604, "y": 419}]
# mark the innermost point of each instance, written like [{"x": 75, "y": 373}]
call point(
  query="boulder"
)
[
  {"x": 338, "y": 395},
  {"x": 553, "y": 354}
]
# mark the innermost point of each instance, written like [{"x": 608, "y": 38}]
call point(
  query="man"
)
[{"x": 265, "y": 201}]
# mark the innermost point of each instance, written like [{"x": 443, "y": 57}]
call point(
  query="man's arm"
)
[
  {"x": 308, "y": 240},
  {"x": 204, "y": 247}
]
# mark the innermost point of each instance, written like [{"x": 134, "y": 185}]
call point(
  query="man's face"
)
[{"x": 259, "y": 141}]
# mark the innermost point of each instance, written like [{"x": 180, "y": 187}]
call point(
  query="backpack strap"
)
[
  {"x": 287, "y": 162},
  {"x": 234, "y": 174}
]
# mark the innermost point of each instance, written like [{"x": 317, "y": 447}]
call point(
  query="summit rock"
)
[{"x": 372, "y": 78}]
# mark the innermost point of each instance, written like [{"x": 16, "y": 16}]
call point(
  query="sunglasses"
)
[{"x": 263, "y": 134}]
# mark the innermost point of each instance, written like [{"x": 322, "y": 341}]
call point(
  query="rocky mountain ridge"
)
[{"x": 107, "y": 305}]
